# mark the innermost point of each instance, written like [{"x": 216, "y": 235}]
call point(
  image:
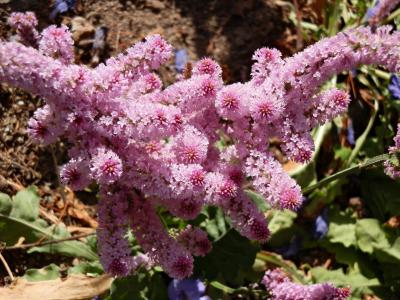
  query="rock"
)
[{"x": 81, "y": 29}]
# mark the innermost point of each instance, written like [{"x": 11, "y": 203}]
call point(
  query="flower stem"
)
[{"x": 377, "y": 160}]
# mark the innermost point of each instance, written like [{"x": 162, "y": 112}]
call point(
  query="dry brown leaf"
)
[
  {"x": 80, "y": 230},
  {"x": 78, "y": 210},
  {"x": 75, "y": 287},
  {"x": 291, "y": 165}
]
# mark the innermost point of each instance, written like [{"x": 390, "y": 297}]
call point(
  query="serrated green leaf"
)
[
  {"x": 359, "y": 283},
  {"x": 47, "y": 273},
  {"x": 370, "y": 235}
]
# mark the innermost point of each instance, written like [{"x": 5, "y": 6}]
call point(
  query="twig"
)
[
  {"x": 299, "y": 40},
  {"x": 7, "y": 267},
  {"x": 25, "y": 246},
  {"x": 117, "y": 39},
  {"x": 14, "y": 185},
  {"x": 14, "y": 163}
]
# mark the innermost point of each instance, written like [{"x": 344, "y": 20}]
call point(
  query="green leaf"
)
[
  {"x": 158, "y": 288},
  {"x": 281, "y": 227},
  {"x": 381, "y": 194},
  {"x": 359, "y": 283},
  {"x": 216, "y": 225},
  {"x": 26, "y": 205},
  {"x": 342, "y": 228},
  {"x": 230, "y": 255},
  {"x": 31, "y": 231},
  {"x": 372, "y": 238},
  {"x": 370, "y": 235},
  {"x": 281, "y": 220},
  {"x": 89, "y": 268},
  {"x": 390, "y": 254},
  {"x": 67, "y": 248},
  {"x": 5, "y": 204},
  {"x": 259, "y": 200},
  {"x": 141, "y": 286},
  {"x": 47, "y": 273},
  {"x": 23, "y": 221},
  {"x": 131, "y": 287}
]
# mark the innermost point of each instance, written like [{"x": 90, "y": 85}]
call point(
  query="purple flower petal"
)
[
  {"x": 186, "y": 289},
  {"x": 321, "y": 225},
  {"x": 180, "y": 60},
  {"x": 394, "y": 86}
]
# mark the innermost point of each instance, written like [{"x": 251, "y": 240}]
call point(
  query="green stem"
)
[
  {"x": 393, "y": 15},
  {"x": 361, "y": 140},
  {"x": 377, "y": 160},
  {"x": 333, "y": 19},
  {"x": 222, "y": 287}
]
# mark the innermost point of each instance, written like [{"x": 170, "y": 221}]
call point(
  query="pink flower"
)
[
  {"x": 191, "y": 146},
  {"x": 106, "y": 166},
  {"x": 207, "y": 66},
  {"x": 24, "y": 24},
  {"x": 75, "y": 174},
  {"x": 281, "y": 288},
  {"x": 195, "y": 240},
  {"x": 57, "y": 43}
]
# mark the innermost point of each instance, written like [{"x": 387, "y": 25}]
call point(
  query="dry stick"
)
[
  {"x": 60, "y": 186},
  {"x": 71, "y": 238},
  {"x": 299, "y": 40},
  {"x": 117, "y": 39},
  {"x": 7, "y": 267},
  {"x": 14, "y": 185},
  {"x": 17, "y": 164}
]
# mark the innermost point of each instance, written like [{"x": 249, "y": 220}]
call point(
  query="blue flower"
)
[
  {"x": 291, "y": 249},
  {"x": 372, "y": 11},
  {"x": 180, "y": 60},
  {"x": 350, "y": 133},
  {"x": 100, "y": 35},
  {"x": 62, "y": 6},
  {"x": 187, "y": 289},
  {"x": 321, "y": 225},
  {"x": 394, "y": 86}
]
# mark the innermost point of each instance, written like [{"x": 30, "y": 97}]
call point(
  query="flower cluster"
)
[
  {"x": 281, "y": 288},
  {"x": 24, "y": 24},
  {"x": 381, "y": 10},
  {"x": 392, "y": 165},
  {"x": 148, "y": 146}
]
